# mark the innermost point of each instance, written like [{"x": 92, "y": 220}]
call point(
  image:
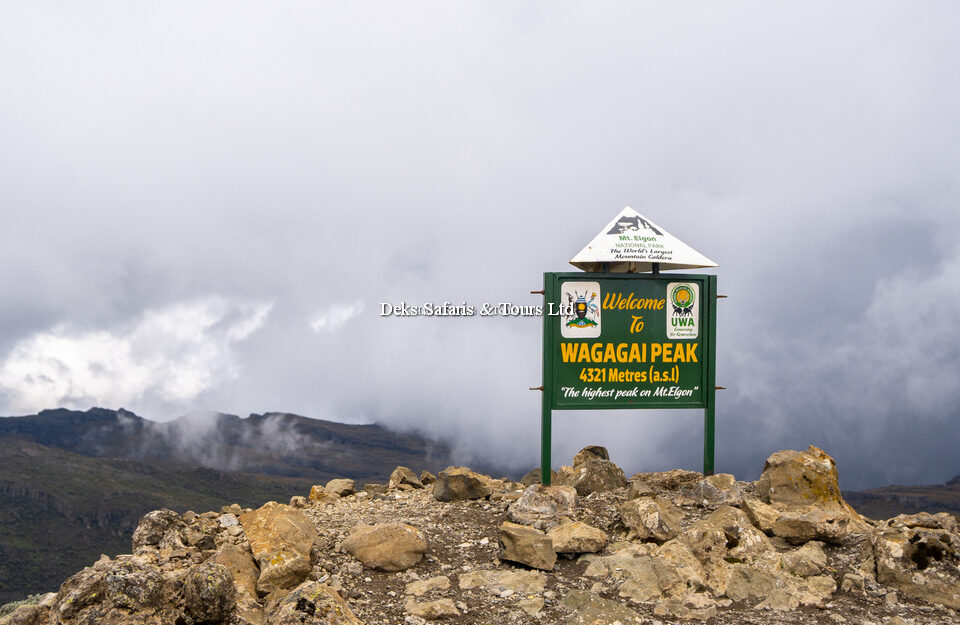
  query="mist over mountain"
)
[
  {"x": 74, "y": 484},
  {"x": 273, "y": 443}
]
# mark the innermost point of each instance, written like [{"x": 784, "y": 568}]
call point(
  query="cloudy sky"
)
[{"x": 204, "y": 204}]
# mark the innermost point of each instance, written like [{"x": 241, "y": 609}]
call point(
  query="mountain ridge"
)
[{"x": 74, "y": 484}]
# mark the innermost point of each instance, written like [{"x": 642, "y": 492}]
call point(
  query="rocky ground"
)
[{"x": 595, "y": 548}]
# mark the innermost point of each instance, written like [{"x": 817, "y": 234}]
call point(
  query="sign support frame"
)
[{"x": 550, "y": 285}]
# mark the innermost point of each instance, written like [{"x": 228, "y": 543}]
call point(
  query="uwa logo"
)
[{"x": 683, "y": 314}]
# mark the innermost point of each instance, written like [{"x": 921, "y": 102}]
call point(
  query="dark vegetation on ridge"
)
[
  {"x": 272, "y": 443},
  {"x": 74, "y": 484}
]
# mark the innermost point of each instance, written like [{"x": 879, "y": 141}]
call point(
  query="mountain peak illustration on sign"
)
[{"x": 631, "y": 243}]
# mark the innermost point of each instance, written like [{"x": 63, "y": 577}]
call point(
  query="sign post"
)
[{"x": 621, "y": 340}]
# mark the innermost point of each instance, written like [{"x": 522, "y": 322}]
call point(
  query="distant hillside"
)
[
  {"x": 273, "y": 443},
  {"x": 889, "y": 501},
  {"x": 74, "y": 484}
]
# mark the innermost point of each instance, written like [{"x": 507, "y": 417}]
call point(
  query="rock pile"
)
[{"x": 467, "y": 549}]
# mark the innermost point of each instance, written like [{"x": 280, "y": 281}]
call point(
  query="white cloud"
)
[
  {"x": 169, "y": 355},
  {"x": 337, "y": 154},
  {"x": 334, "y": 316}
]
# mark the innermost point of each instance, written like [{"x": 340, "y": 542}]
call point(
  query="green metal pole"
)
[
  {"x": 708, "y": 435},
  {"x": 545, "y": 443},
  {"x": 708, "y": 414},
  {"x": 549, "y": 292}
]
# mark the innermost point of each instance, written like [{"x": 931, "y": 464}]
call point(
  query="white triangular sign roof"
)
[{"x": 632, "y": 243}]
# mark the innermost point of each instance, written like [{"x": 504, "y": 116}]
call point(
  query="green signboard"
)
[{"x": 629, "y": 341}]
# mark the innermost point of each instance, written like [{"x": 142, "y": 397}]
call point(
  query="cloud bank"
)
[{"x": 166, "y": 357}]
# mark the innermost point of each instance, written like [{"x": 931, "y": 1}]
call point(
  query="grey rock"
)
[
  {"x": 588, "y": 608},
  {"x": 402, "y": 476},
  {"x": 543, "y": 507},
  {"x": 762, "y": 515},
  {"x": 498, "y": 581},
  {"x": 420, "y": 587},
  {"x": 806, "y": 561},
  {"x": 919, "y": 561},
  {"x": 527, "y": 545},
  {"x": 375, "y": 489},
  {"x": 241, "y": 566},
  {"x": 298, "y": 501},
  {"x": 431, "y": 610},
  {"x": 651, "y": 519},
  {"x": 460, "y": 483},
  {"x": 387, "y": 546},
  {"x": 590, "y": 452},
  {"x": 668, "y": 480},
  {"x": 577, "y": 537},
  {"x": 533, "y": 477},
  {"x": 592, "y": 476},
  {"x": 155, "y": 526},
  {"x": 713, "y": 491},
  {"x": 281, "y": 539},
  {"x": 341, "y": 487},
  {"x": 314, "y": 603},
  {"x": 209, "y": 592}
]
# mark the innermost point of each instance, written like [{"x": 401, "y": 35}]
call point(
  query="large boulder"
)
[
  {"x": 404, "y": 479},
  {"x": 314, "y": 603},
  {"x": 703, "y": 551},
  {"x": 241, "y": 565},
  {"x": 127, "y": 584},
  {"x": 834, "y": 526},
  {"x": 460, "y": 483},
  {"x": 646, "y": 576},
  {"x": 590, "y": 452},
  {"x": 387, "y": 546},
  {"x": 543, "y": 507},
  {"x": 533, "y": 476},
  {"x": 667, "y": 480},
  {"x": 762, "y": 515},
  {"x": 135, "y": 585},
  {"x": 341, "y": 487},
  {"x": 280, "y": 538},
  {"x": 801, "y": 478},
  {"x": 527, "y": 545},
  {"x": 577, "y": 537},
  {"x": 159, "y": 528},
  {"x": 713, "y": 491},
  {"x": 80, "y": 591},
  {"x": 208, "y": 592},
  {"x": 777, "y": 591},
  {"x": 592, "y": 472},
  {"x": 651, "y": 519},
  {"x": 697, "y": 559},
  {"x": 320, "y": 495},
  {"x": 919, "y": 555},
  {"x": 803, "y": 487},
  {"x": 243, "y": 569},
  {"x": 744, "y": 541},
  {"x": 808, "y": 560},
  {"x": 722, "y": 554},
  {"x": 708, "y": 545}
]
